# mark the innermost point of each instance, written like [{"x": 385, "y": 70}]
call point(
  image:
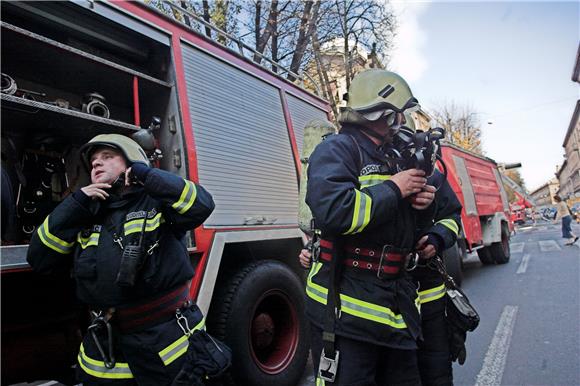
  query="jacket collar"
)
[{"x": 364, "y": 142}]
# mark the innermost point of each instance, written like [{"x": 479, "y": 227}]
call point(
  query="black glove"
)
[{"x": 457, "y": 345}]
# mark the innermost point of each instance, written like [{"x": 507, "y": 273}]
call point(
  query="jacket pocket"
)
[
  {"x": 85, "y": 265},
  {"x": 206, "y": 358}
]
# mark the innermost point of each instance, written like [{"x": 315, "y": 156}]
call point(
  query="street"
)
[{"x": 530, "y": 314}]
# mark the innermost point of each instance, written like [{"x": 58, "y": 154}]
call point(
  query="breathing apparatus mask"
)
[{"x": 417, "y": 149}]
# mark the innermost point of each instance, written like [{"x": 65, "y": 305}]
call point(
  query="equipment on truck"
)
[
  {"x": 94, "y": 103},
  {"x": 315, "y": 132}
]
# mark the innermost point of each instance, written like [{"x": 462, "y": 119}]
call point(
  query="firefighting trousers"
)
[
  {"x": 365, "y": 364},
  {"x": 152, "y": 357},
  {"x": 434, "y": 357}
]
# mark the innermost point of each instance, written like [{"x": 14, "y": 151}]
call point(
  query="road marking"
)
[
  {"x": 549, "y": 246},
  {"x": 524, "y": 264},
  {"x": 517, "y": 247},
  {"x": 495, "y": 359}
]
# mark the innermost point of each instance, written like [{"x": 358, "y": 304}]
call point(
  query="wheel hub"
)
[{"x": 274, "y": 332}]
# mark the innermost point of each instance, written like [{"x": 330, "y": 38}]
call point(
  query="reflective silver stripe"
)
[
  {"x": 135, "y": 226},
  {"x": 179, "y": 347},
  {"x": 52, "y": 241},
  {"x": 361, "y": 213},
  {"x": 186, "y": 199},
  {"x": 372, "y": 179},
  {"x": 450, "y": 224},
  {"x": 91, "y": 241},
  {"x": 432, "y": 294},
  {"x": 353, "y": 306},
  {"x": 97, "y": 368}
]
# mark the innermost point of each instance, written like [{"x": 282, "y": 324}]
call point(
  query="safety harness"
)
[
  {"x": 388, "y": 262},
  {"x": 137, "y": 317}
]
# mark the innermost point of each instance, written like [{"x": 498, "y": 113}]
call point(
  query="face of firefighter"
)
[
  {"x": 387, "y": 126},
  {"x": 106, "y": 165}
]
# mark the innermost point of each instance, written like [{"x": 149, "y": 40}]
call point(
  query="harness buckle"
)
[
  {"x": 152, "y": 248},
  {"x": 314, "y": 248},
  {"x": 182, "y": 323},
  {"x": 412, "y": 261},
  {"x": 101, "y": 319},
  {"x": 327, "y": 368},
  {"x": 384, "y": 252}
]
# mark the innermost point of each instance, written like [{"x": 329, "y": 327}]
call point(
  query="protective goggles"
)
[{"x": 391, "y": 112}]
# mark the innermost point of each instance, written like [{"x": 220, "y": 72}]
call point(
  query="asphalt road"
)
[{"x": 530, "y": 314}]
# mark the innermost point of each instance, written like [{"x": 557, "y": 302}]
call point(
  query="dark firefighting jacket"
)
[
  {"x": 89, "y": 236},
  {"x": 350, "y": 196},
  {"x": 444, "y": 226}
]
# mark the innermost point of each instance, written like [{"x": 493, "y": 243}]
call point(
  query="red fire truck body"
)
[
  {"x": 226, "y": 122},
  {"x": 476, "y": 181}
]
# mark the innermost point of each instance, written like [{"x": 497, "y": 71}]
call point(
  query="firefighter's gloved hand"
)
[
  {"x": 457, "y": 345},
  {"x": 136, "y": 173},
  {"x": 424, "y": 198},
  {"x": 428, "y": 246},
  {"x": 409, "y": 181}
]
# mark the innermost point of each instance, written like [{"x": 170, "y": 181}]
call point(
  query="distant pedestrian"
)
[{"x": 563, "y": 212}]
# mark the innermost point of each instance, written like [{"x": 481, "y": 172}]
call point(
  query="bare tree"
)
[{"x": 462, "y": 127}]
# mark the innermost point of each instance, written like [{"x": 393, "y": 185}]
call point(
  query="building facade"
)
[
  {"x": 569, "y": 173},
  {"x": 544, "y": 195}
]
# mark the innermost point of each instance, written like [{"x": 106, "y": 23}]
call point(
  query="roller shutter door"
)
[
  {"x": 301, "y": 113},
  {"x": 243, "y": 150}
]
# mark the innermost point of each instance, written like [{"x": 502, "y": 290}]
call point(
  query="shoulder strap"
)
[{"x": 360, "y": 157}]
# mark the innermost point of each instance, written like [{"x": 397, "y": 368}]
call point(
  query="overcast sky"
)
[{"x": 511, "y": 61}]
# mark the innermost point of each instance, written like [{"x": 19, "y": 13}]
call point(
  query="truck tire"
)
[
  {"x": 500, "y": 251},
  {"x": 259, "y": 314},
  {"x": 485, "y": 256},
  {"x": 452, "y": 259}
]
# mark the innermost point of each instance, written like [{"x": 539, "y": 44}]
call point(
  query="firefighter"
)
[
  {"x": 124, "y": 237},
  {"x": 436, "y": 233},
  {"x": 362, "y": 304},
  {"x": 439, "y": 233}
]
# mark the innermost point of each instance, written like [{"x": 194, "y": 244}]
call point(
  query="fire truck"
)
[
  {"x": 524, "y": 200},
  {"x": 485, "y": 217},
  {"x": 75, "y": 69}
]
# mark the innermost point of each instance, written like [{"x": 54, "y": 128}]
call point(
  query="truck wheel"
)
[
  {"x": 500, "y": 251},
  {"x": 452, "y": 259},
  {"x": 485, "y": 256},
  {"x": 259, "y": 313}
]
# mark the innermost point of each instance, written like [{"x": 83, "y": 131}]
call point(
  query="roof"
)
[
  {"x": 572, "y": 124},
  {"x": 576, "y": 72}
]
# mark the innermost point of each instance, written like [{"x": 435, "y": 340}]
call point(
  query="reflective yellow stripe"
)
[
  {"x": 450, "y": 224},
  {"x": 353, "y": 306},
  {"x": 361, "y": 215},
  {"x": 179, "y": 347},
  {"x": 432, "y": 294},
  {"x": 135, "y": 226},
  {"x": 91, "y": 241},
  {"x": 98, "y": 369},
  {"x": 372, "y": 179},
  {"x": 319, "y": 381},
  {"x": 53, "y": 242},
  {"x": 186, "y": 199}
]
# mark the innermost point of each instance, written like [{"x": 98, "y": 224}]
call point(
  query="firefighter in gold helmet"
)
[
  {"x": 362, "y": 303},
  {"x": 123, "y": 236}
]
